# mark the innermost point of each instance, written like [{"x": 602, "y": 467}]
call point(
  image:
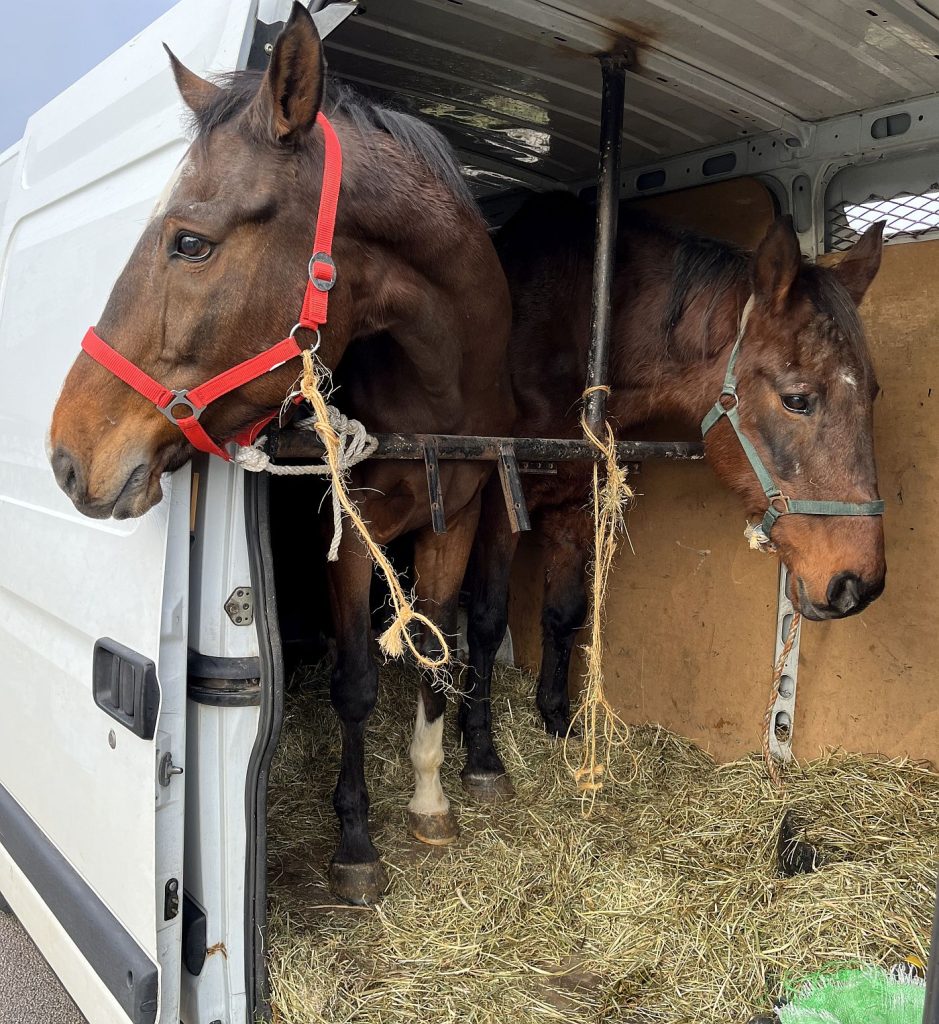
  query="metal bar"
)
[
  {"x": 613, "y": 68},
  {"x": 438, "y": 518},
  {"x": 512, "y": 490},
  {"x": 303, "y": 444},
  {"x": 783, "y": 716}
]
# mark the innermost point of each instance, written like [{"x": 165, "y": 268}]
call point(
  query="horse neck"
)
[{"x": 675, "y": 373}]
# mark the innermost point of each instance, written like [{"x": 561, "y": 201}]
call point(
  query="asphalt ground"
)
[{"x": 29, "y": 992}]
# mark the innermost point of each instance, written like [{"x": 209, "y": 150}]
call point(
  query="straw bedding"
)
[{"x": 667, "y": 904}]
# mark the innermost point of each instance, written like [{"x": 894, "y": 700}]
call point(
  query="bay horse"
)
[
  {"x": 806, "y": 388},
  {"x": 418, "y": 326}
]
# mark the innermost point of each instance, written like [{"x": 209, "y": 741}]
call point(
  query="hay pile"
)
[{"x": 666, "y": 905}]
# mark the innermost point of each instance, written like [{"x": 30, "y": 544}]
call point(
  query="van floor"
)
[{"x": 688, "y": 892}]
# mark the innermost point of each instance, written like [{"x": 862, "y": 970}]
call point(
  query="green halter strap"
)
[{"x": 778, "y": 503}]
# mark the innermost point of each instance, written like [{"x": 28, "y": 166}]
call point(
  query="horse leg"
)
[
  {"x": 567, "y": 539},
  {"x": 484, "y": 775},
  {"x": 439, "y": 564},
  {"x": 355, "y": 873}
]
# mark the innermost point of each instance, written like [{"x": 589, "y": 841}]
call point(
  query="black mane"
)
[
  {"x": 418, "y": 139},
  {"x": 708, "y": 265}
]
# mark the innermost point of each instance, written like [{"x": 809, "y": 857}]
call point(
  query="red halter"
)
[{"x": 185, "y": 406}]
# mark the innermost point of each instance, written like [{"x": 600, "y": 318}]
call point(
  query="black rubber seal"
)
[{"x": 271, "y": 678}]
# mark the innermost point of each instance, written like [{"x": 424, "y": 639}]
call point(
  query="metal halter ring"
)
[
  {"x": 297, "y": 327},
  {"x": 322, "y": 284},
  {"x": 180, "y": 398}
]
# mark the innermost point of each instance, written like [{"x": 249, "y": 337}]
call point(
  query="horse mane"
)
[
  {"x": 709, "y": 265},
  {"x": 417, "y": 138}
]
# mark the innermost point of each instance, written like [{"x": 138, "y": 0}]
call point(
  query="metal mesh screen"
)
[{"x": 907, "y": 216}]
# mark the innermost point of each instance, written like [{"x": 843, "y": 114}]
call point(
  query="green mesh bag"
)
[{"x": 866, "y": 996}]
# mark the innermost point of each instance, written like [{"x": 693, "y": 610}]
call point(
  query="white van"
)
[{"x": 141, "y": 677}]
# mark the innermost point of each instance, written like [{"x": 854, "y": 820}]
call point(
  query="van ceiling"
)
[{"x": 515, "y": 86}]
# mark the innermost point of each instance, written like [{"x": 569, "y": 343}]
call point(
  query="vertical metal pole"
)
[
  {"x": 931, "y": 1007},
  {"x": 783, "y": 716},
  {"x": 608, "y": 187}
]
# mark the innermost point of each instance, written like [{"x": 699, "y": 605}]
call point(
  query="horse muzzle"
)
[
  {"x": 136, "y": 491},
  {"x": 847, "y": 594}
]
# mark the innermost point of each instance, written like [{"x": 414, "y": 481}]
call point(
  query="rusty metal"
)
[
  {"x": 290, "y": 445},
  {"x": 613, "y": 68},
  {"x": 512, "y": 489},
  {"x": 438, "y": 518}
]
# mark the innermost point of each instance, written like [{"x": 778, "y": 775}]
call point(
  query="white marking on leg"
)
[{"x": 427, "y": 757}]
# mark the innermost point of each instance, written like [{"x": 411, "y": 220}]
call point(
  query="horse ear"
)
[
  {"x": 776, "y": 264},
  {"x": 290, "y": 95},
  {"x": 859, "y": 265},
  {"x": 196, "y": 92}
]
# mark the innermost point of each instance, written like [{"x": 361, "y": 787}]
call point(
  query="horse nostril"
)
[
  {"x": 844, "y": 592},
  {"x": 66, "y": 472}
]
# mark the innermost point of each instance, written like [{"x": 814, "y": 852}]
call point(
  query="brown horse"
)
[
  {"x": 806, "y": 391},
  {"x": 419, "y": 320}
]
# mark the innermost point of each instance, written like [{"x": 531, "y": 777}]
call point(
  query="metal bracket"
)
[
  {"x": 438, "y": 517},
  {"x": 240, "y": 606},
  {"x": 512, "y": 489},
  {"x": 538, "y": 468},
  {"x": 783, "y": 715}
]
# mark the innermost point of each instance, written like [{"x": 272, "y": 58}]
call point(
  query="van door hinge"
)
[{"x": 240, "y": 606}]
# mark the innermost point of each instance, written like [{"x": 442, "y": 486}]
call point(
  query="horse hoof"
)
[
  {"x": 434, "y": 829},
  {"x": 559, "y": 728},
  {"x": 488, "y": 787},
  {"x": 358, "y": 884}
]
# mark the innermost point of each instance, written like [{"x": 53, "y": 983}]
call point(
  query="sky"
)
[{"x": 46, "y": 45}]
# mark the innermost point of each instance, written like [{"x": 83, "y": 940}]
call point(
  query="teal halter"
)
[{"x": 778, "y": 503}]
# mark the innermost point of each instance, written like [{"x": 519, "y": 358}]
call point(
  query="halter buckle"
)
[
  {"x": 731, "y": 394},
  {"x": 322, "y": 284},
  {"x": 779, "y": 503},
  {"x": 181, "y": 400}
]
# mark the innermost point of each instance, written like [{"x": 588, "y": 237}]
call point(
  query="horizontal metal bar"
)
[{"x": 303, "y": 444}]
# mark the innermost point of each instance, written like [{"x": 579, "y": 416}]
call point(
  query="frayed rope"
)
[{"x": 599, "y": 722}]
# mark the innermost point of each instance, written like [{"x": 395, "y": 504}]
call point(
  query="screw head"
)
[
  {"x": 268, "y": 48},
  {"x": 112, "y": 739}
]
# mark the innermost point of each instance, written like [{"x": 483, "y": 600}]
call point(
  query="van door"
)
[{"x": 93, "y": 614}]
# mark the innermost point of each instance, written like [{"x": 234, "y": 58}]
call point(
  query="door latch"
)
[{"x": 168, "y": 769}]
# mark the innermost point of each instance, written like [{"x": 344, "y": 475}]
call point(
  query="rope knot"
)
[{"x": 347, "y": 443}]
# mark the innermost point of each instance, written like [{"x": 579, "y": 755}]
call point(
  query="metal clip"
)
[{"x": 180, "y": 398}]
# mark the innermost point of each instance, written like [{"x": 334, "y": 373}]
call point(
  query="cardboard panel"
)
[
  {"x": 869, "y": 683},
  {"x": 691, "y": 617}
]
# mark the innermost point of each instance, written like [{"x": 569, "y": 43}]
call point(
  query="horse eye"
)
[
  {"x": 796, "y": 403},
  {"x": 192, "y": 247}
]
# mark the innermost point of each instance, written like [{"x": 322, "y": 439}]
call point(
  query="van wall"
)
[{"x": 691, "y": 616}]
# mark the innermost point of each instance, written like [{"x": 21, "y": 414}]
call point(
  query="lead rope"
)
[
  {"x": 355, "y": 446},
  {"x": 772, "y": 766},
  {"x": 397, "y": 637},
  {"x": 600, "y": 724}
]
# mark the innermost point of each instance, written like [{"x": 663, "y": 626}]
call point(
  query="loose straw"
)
[
  {"x": 602, "y": 727},
  {"x": 772, "y": 768},
  {"x": 397, "y": 637}
]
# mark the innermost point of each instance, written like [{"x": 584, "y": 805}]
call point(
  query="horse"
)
[
  {"x": 681, "y": 304},
  {"x": 417, "y": 331}
]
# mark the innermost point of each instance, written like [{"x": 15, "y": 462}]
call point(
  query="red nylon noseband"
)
[{"x": 190, "y": 403}]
